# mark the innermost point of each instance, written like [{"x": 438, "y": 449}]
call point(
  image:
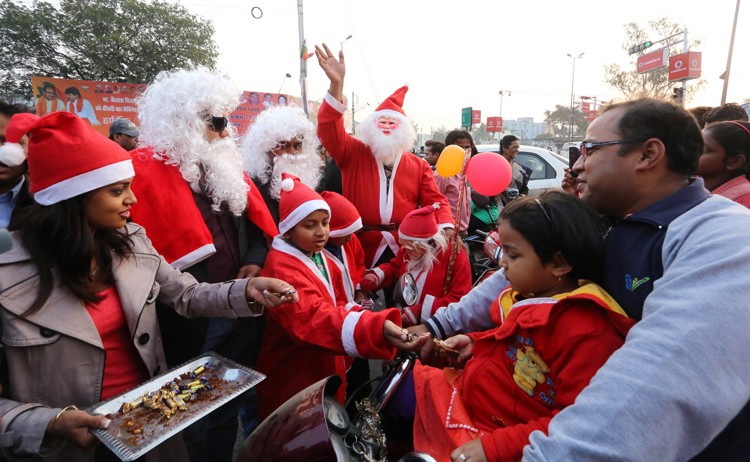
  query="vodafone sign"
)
[
  {"x": 476, "y": 117},
  {"x": 494, "y": 124},
  {"x": 685, "y": 66},
  {"x": 653, "y": 60}
]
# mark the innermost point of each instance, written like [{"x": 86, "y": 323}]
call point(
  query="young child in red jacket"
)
[
  {"x": 343, "y": 246},
  {"x": 424, "y": 254},
  {"x": 308, "y": 341},
  {"x": 556, "y": 329}
]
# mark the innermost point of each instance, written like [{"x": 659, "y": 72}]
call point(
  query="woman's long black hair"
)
[{"x": 58, "y": 237}]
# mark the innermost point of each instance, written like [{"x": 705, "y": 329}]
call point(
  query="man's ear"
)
[
  {"x": 735, "y": 162},
  {"x": 560, "y": 266},
  {"x": 652, "y": 153}
]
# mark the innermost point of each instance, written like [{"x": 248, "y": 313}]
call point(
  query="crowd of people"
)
[{"x": 175, "y": 237}]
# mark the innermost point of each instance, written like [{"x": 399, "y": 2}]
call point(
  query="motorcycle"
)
[
  {"x": 485, "y": 252},
  {"x": 313, "y": 426}
]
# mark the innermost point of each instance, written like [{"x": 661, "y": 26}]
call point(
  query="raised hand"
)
[{"x": 334, "y": 68}]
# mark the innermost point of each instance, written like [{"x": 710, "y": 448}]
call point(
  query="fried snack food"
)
[{"x": 444, "y": 350}]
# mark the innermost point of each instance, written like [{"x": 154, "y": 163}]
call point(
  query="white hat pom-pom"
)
[
  {"x": 436, "y": 205},
  {"x": 11, "y": 154},
  {"x": 287, "y": 184}
]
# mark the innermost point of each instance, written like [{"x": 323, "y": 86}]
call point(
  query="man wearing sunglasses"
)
[
  {"x": 678, "y": 261},
  {"x": 195, "y": 202}
]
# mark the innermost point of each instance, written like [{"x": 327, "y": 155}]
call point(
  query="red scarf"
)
[
  {"x": 167, "y": 211},
  {"x": 77, "y": 106}
]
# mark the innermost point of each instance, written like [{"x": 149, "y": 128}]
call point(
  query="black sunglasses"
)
[
  {"x": 588, "y": 147},
  {"x": 217, "y": 124}
]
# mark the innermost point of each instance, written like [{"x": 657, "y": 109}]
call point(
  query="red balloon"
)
[{"x": 488, "y": 173}]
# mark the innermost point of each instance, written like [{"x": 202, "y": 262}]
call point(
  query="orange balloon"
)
[{"x": 451, "y": 161}]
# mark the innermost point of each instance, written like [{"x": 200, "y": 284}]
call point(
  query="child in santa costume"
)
[
  {"x": 343, "y": 247},
  {"x": 424, "y": 254},
  {"x": 555, "y": 329},
  {"x": 307, "y": 341}
]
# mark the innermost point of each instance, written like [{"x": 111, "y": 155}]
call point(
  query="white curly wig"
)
[
  {"x": 272, "y": 127},
  {"x": 171, "y": 113}
]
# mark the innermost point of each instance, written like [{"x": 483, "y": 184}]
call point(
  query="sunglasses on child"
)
[{"x": 217, "y": 124}]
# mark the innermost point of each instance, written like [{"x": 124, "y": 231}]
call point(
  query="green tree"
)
[
  {"x": 653, "y": 83},
  {"x": 112, "y": 40},
  {"x": 560, "y": 118},
  {"x": 481, "y": 135},
  {"x": 440, "y": 133}
]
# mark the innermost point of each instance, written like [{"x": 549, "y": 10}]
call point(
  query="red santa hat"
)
[
  {"x": 297, "y": 201},
  {"x": 12, "y": 153},
  {"x": 393, "y": 104},
  {"x": 420, "y": 224},
  {"x": 345, "y": 219},
  {"x": 67, "y": 156}
]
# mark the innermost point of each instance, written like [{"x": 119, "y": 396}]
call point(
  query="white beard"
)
[
  {"x": 216, "y": 171},
  {"x": 428, "y": 259},
  {"x": 308, "y": 167},
  {"x": 386, "y": 148}
]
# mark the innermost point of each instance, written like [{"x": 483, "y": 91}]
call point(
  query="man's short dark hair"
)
[
  {"x": 436, "y": 147},
  {"x": 429, "y": 143},
  {"x": 47, "y": 85},
  {"x": 73, "y": 91},
  {"x": 726, "y": 112},
  {"x": 650, "y": 118},
  {"x": 8, "y": 110}
]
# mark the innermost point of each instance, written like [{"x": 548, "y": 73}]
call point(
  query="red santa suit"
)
[
  {"x": 429, "y": 284},
  {"x": 167, "y": 210},
  {"x": 307, "y": 341},
  {"x": 381, "y": 202},
  {"x": 521, "y": 374},
  {"x": 351, "y": 266}
]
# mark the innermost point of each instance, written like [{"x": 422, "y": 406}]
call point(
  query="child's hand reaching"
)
[
  {"x": 369, "y": 282},
  {"x": 473, "y": 451},
  {"x": 464, "y": 345}
]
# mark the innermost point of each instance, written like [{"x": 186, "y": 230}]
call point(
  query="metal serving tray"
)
[{"x": 127, "y": 446}]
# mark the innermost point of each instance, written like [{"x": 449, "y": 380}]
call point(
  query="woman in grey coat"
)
[{"x": 77, "y": 294}]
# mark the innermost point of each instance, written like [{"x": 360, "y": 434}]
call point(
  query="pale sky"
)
[{"x": 457, "y": 54}]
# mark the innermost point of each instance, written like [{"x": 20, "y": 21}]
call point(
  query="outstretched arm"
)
[{"x": 334, "y": 68}]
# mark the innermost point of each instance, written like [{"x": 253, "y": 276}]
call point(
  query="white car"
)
[{"x": 547, "y": 168}]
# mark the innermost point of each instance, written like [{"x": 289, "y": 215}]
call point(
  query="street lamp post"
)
[
  {"x": 501, "y": 93},
  {"x": 572, "y": 84},
  {"x": 286, "y": 76},
  {"x": 342, "y": 42}
]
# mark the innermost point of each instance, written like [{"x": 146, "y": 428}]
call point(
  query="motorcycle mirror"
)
[{"x": 405, "y": 293}]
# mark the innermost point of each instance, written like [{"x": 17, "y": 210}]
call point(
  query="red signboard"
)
[
  {"x": 585, "y": 106},
  {"x": 494, "y": 124},
  {"x": 476, "y": 117},
  {"x": 653, "y": 60},
  {"x": 591, "y": 115},
  {"x": 685, "y": 66}
]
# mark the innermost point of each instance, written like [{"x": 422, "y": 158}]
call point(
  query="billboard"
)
[
  {"x": 494, "y": 124},
  {"x": 476, "y": 117},
  {"x": 653, "y": 60},
  {"x": 101, "y": 103},
  {"x": 685, "y": 66}
]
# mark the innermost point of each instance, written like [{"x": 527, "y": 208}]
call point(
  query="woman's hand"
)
[
  {"x": 270, "y": 292},
  {"x": 74, "y": 426},
  {"x": 472, "y": 451}
]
